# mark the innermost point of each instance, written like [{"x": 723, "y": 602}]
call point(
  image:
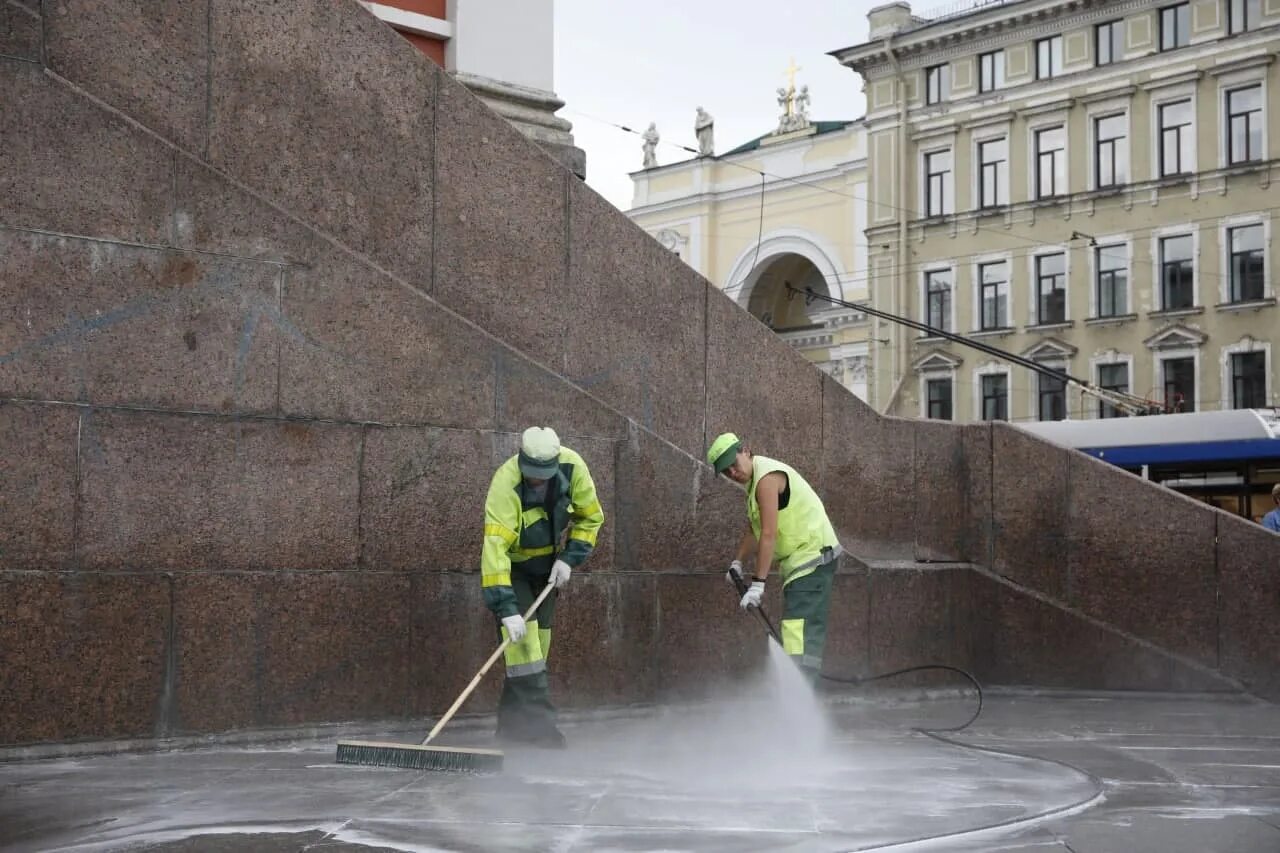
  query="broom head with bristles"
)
[{"x": 409, "y": 756}]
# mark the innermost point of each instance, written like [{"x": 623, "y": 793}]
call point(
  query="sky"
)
[{"x": 631, "y": 63}]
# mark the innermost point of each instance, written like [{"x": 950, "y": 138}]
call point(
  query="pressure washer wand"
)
[{"x": 741, "y": 585}]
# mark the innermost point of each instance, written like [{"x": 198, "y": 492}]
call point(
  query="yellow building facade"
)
[
  {"x": 787, "y": 208},
  {"x": 1088, "y": 184}
]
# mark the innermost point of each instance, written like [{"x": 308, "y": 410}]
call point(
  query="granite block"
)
[
  {"x": 81, "y": 656},
  {"x": 212, "y": 214},
  {"x": 1021, "y": 640},
  {"x": 20, "y": 34},
  {"x": 37, "y": 486},
  {"x": 868, "y": 476},
  {"x": 941, "y": 483},
  {"x": 1154, "y": 578},
  {"x": 1248, "y": 562},
  {"x": 704, "y": 643},
  {"x": 362, "y": 347},
  {"x": 848, "y": 651},
  {"x": 502, "y": 251},
  {"x": 194, "y": 492},
  {"x": 761, "y": 389},
  {"x": 1030, "y": 498},
  {"x": 603, "y": 640},
  {"x": 148, "y": 59},
  {"x": 638, "y": 337},
  {"x": 528, "y": 394},
  {"x": 283, "y": 648},
  {"x": 329, "y": 112},
  {"x": 976, "y": 537},
  {"x": 422, "y": 498},
  {"x": 453, "y": 635},
  {"x": 74, "y": 168},
  {"x": 111, "y": 324},
  {"x": 914, "y": 619}
]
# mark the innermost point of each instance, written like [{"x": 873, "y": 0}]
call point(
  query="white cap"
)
[{"x": 539, "y": 453}]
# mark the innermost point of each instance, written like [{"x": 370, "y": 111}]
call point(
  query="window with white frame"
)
[
  {"x": 937, "y": 294},
  {"x": 937, "y": 84},
  {"x": 1243, "y": 15},
  {"x": 993, "y": 172},
  {"x": 993, "y": 281},
  {"x": 991, "y": 71},
  {"x": 937, "y": 173},
  {"x": 1244, "y": 124},
  {"x": 993, "y": 395},
  {"x": 1048, "y": 57},
  {"x": 1051, "y": 395},
  {"x": 1051, "y": 289},
  {"x": 1110, "y": 151},
  {"x": 1175, "y": 26},
  {"x": 1112, "y": 377},
  {"x": 1112, "y": 286},
  {"x": 1174, "y": 121},
  {"x": 1178, "y": 378},
  {"x": 1248, "y": 380},
  {"x": 1247, "y": 263},
  {"x": 938, "y": 398},
  {"x": 1108, "y": 42},
  {"x": 1177, "y": 272},
  {"x": 1051, "y": 161}
]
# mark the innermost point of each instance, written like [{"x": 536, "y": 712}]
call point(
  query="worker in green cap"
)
[
  {"x": 787, "y": 524},
  {"x": 541, "y": 520}
]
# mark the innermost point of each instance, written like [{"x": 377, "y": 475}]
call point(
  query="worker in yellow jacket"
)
[
  {"x": 786, "y": 523},
  {"x": 541, "y": 520}
]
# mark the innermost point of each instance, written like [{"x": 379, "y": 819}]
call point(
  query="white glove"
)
[
  {"x": 515, "y": 627},
  {"x": 734, "y": 573},
  {"x": 559, "y": 574},
  {"x": 753, "y": 595}
]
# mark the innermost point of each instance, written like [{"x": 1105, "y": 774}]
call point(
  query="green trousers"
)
[
  {"x": 805, "y": 603},
  {"x": 525, "y": 706}
]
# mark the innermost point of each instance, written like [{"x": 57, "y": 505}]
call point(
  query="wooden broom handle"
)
[{"x": 537, "y": 602}]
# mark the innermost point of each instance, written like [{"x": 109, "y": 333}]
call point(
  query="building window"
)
[
  {"x": 938, "y": 299},
  {"x": 1175, "y": 138},
  {"x": 1111, "y": 151},
  {"x": 994, "y": 278},
  {"x": 995, "y": 397},
  {"x": 1113, "y": 280},
  {"x": 1051, "y": 289},
  {"x": 937, "y": 167},
  {"x": 1051, "y": 162},
  {"x": 1108, "y": 42},
  {"x": 1248, "y": 380},
  {"x": 1243, "y": 15},
  {"x": 1248, "y": 270},
  {"x": 939, "y": 399},
  {"x": 1176, "y": 274},
  {"x": 1179, "y": 384},
  {"x": 1052, "y": 397},
  {"x": 1244, "y": 124},
  {"x": 937, "y": 84},
  {"x": 1048, "y": 57},
  {"x": 1175, "y": 26},
  {"x": 1112, "y": 377},
  {"x": 993, "y": 160},
  {"x": 991, "y": 71}
]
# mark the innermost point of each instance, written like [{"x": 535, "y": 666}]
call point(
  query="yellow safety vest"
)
[{"x": 806, "y": 538}]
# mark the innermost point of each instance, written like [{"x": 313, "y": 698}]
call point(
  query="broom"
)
[{"x": 422, "y": 756}]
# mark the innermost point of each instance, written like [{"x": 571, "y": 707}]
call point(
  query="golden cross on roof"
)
[{"x": 791, "y": 74}]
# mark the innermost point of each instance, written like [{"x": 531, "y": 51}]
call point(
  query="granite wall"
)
[{"x": 277, "y": 295}]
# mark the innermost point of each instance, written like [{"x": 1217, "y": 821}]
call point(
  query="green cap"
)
[{"x": 723, "y": 451}]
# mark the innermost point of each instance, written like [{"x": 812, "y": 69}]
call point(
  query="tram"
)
[{"x": 1228, "y": 459}]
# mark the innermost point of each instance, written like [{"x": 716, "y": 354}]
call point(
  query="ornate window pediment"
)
[
  {"x": 937, "y": 361},
  {"x": 1176, "y": 336},
  {"x": 1050, "y": 349}
]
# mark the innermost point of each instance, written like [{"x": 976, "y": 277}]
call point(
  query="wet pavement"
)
[{"x": 1128, "y": 773}]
